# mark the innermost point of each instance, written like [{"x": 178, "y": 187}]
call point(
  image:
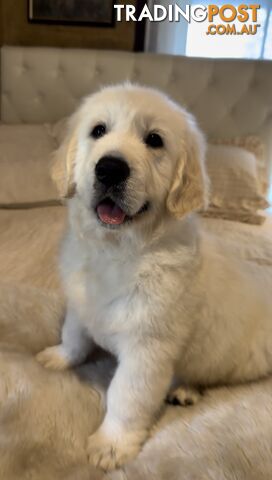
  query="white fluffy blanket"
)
[{"x": 46, "y": 417}]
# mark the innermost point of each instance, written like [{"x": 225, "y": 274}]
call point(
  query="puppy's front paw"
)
[
  {"x": 54, "y": 358},
  {"x": 109, "y": 451},
  {"x": 184, "y": 396}
]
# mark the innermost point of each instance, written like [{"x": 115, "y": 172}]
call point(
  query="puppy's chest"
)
[{"x": 103, "y": 293}]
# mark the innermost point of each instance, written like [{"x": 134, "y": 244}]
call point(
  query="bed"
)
[{"x": 46, "y": 417}]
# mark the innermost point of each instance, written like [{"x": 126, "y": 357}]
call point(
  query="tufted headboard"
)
[{"x": 228, "y": 97}]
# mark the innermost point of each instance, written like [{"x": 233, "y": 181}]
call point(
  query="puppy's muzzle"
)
[{"x": 111, "y": 171}]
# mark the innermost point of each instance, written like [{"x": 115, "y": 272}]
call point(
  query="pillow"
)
[
  {"x": 58, "y": 130},
  {"x": 254, "y": 145},
  {"x": 236, "y": 185},
  {"x": 25, "y": 157}
]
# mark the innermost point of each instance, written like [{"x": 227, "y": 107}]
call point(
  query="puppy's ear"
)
[
  {"x": 63, "y": 165},
  {"x": 189, "y": 190}
]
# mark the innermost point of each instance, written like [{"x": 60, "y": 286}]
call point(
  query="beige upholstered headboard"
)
[{"x": 229, "y": 97}]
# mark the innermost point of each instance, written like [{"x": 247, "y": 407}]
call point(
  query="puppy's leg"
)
[
  {"x": 74, "y": 348},
  {"x": 135, "y": 395},
  {"x": 183, "y": 396}
]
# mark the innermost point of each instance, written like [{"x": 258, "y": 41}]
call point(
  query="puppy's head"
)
[{"x": 131, "y": 154}]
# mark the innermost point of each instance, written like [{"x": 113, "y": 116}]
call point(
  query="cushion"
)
[
  {"x": 255, "y": 145},
  {"x": 25, "y": 157},
  {"x": 237, "y": 185},
  {"x": 58, "y": 130}
]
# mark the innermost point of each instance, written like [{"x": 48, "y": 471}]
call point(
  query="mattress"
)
[
  {"x": 46, "y": 417},
  {"x": 252, "y": 242}
]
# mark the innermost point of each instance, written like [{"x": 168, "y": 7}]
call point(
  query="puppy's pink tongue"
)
[{"x": 110, "y": 214}]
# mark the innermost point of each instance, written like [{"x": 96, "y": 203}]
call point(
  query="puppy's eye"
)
[
  {"x": 154, "y": 140},
  {"x": 98, "y": 131}
]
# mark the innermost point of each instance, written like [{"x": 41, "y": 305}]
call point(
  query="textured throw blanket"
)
[{"x": 46, "y": 417}]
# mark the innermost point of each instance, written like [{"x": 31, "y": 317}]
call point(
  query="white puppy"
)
[{"x": 141, "y": 280}]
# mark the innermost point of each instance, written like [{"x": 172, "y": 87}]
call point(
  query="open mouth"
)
[{"x": 110, "y": 213}]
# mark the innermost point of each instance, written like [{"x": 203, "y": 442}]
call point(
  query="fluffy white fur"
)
[{"x": 165, "y": 298}]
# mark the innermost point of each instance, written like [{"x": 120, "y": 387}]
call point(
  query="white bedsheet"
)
[
  {"x": 46, "y": 417},
  {"x": 253, "y": 242}
]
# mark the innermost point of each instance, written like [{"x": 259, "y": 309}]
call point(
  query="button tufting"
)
[
  {"x": 59, "y": 71},
  {"x": 268, "y": 116},
  {"x": 98, "y": 71},
  {"x": 135, "y": 74},
  {"x": 212, "y": 81},
  {"x": 254, "y": 83},
  {"x": 173, "y": 78},
  {"x": 20, "y": 70},
  {"x": 39, "y": 98},
  {"x": 232, "y": 111},
  {"x": 25, "y": 67}
]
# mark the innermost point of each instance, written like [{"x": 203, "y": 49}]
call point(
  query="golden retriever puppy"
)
[{"x": 141, "y": 280}]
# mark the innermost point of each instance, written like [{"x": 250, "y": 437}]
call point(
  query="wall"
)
[
  {"x": 1, "y": 27},
  {"x": 16, "y": 30}
]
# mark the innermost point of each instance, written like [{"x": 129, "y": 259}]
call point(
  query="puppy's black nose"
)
[{"x": 111, "y": 170}]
